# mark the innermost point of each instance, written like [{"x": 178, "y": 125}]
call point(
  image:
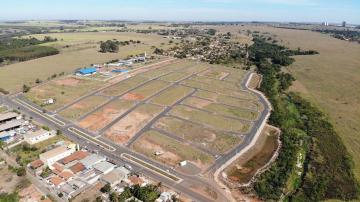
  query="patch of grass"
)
[
  {"x": 175, "y": 76},
  {"x": 124, "y": 86},
  {"x": 80, "y": 108},
  {"x": 171, "y": 95},
  {"x": 213, "y": 121},
  {"x": 150, "y": 88}
]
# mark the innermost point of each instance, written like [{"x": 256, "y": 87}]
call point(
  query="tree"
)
[
  {"x": 21, "y": 171},
  {"x": 211, "y": 32},
  {"x": 26, "y": 88},
  {"x": 106, "y": 188}
]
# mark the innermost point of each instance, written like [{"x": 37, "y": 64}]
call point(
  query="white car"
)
[{"x": 128, "y": 166}]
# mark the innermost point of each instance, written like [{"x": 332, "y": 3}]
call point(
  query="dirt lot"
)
[
  {"x": 221, "y": 109},
  {"x": 171, "y": 95},
  {"x": 106, "y": 114},
  {"x": 132, "y": 123},
  {"x": 84, "y": 106},
  {"x": 8, "y": 180},
  {"x": 147, "y": 90},
  {"x": 244, "y": 168},
  {"x": 64, "y": 90},
  {"x": 173, "y": 151},
  {"x": 210, "y": 120},
  {"x": 211, "y": 140}
]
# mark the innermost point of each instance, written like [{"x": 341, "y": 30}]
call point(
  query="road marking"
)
[
  {"x": 92, "y": 139},
  {"x": 151, "y": 167},
  {"x": 39, "y": 112}
]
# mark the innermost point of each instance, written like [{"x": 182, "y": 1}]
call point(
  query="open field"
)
[
  {"x": 84, "y": 106},
  {"x": 171, "y": 95},
  {"x": 127, "y": 127},
  {"x": 330, "y": 80},
  {"x": 173, "y": 151},
  {"x": 175, "y": 76},
  {"x": 76, "y": 50},
  {"x": 124, "y": 86},
  {"x": 146, "y": 90},
  {"x": 211, "y": 140},
  {"x": 244, "y": 168},
  {"x": 225, "y": 110},
  {"x": 63, "y": 90},
  {"x": 223, "y": 99},
  {"x": 216, "y": 83},
  {"x": 105, "y": 115},
  {"x": 210, "y": 120}
]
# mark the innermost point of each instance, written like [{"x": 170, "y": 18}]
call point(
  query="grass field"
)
[
  {"x": 105, "y": 115},
  {"x": 330, "y": 80},
  {"x": 175, "y": 76},
  {"x": 214, "y": 121},
  {"x": 84, "y": 106},
  {"x": 63, "y": 90},
  {"x": 76, "y": 50},
  {"x": 225, "y": 110},
  {"x": 124, "y": 86},
  {"x": 211, "y": 140},
  {"x": 173, "y": 151},
  {"x": 127, "y": 127},
  {"x": 171, "y": 95}
]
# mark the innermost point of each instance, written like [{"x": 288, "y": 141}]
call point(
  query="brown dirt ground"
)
[
  {"x": 126, "y": 128},
  {"x": 205, "y": 191},
  {"x": 133, "y": 96},
  {"x": 69, "y": 81},
  {"x": 30, "y": 193},
  {"x": 255, "y": 81}
]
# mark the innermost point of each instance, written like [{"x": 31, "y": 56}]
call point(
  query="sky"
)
[{"x": 184, "y": 10}]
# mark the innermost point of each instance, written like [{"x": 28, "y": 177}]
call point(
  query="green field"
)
[
  {"x": 174, "y": 151},
  {"x": 124, "y": 86},
  {"x": 84, "y": 106},
  {"x": 171, "y": 95},
  {"x": 214, "y": 121},
  {"x": 216, "y": 141},
  {"x": 150, "y": 88},
  {"x": 175, "y": 76}
]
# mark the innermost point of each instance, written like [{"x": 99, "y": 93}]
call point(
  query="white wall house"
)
[
  {"x": 50, "y": 157},
  {"x": 38, "y": 136}
]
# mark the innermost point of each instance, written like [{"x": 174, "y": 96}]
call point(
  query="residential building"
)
[
  {"x": 34, "y": 137},
  {"x": 50, "y": 157},
  {"x": 115, "y": 176},
  {"x": 104, "y": 167},
  {"x": 91, "y": 160}
]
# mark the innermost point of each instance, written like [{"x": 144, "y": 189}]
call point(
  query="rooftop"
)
[
  {"x": 116, "y": 175},
  {"x": 92, "y": 159},
  {"x": 87, "y": 70},
  {"x": 8, "y": 115},
  {"x": 54, "y": 152},
  {"x": 56, "y": 180},
  {"x": 36, "y": 164},
  {"x": 10, "y": 124},
  {"x": 77, "y": 168},
  {"x": 104, "y": 166},
  {"x": 78, "y": 155},
  {"x": 32, "y": 134},
  {"x": 66, "y": 175}
]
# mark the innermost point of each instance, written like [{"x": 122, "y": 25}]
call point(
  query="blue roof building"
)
[{"x": 87, "y": 71}]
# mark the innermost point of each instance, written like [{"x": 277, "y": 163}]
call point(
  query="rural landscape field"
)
[{"x": 179, "y": 101}]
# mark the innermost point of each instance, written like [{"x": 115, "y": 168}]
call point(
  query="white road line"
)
[{"x": 92, "y": 139}]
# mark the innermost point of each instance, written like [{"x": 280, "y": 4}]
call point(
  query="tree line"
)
[{"x": 327, "y": 170}]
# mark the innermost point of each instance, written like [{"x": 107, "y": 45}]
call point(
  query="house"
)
[
  {"x": 56, "y": 181},
  {"x": 76, "y": 156},
  {"x": 91, "y": 160},
  {"x": 104, "y": 167},
  {"x": 50, "y": 157},
  {"x": 86, "y": 71},
  {"x": 5, "y": 117},
  {"x": 66, "y": 175},
  {"x": 37, "y": 166},
  {"x": 78, "y": 167},
  {"x": 115, "y": 176},
  {"x": 38, "y": 136}
]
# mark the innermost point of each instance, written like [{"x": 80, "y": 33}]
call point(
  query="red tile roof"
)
[
  {"x": 136, "y": 180},
  {"x": 57, "y": 168},
  {"x": 36, "y": 164},
  {"x": 66, "y": 175},
  {"x": 56, "y": 180},
  {"x": 78, "y": 155},
  {"x": 77, "y": 168}
]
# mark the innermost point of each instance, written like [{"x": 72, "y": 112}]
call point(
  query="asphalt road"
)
[{"x": 182, "y": 187}]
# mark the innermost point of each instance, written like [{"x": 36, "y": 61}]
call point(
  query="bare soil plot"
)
[
  {"x": 8, "y": 180},
  {"x": 105, "y": 115},
  {"x": 174, "y": 76},
  {"x": 211, "y": 140},
  {"x": 64, "y": 90},
  {"x": 171, "y": 96},
  {"x": 218, "y": 98},
  {"x": 255, "y": 81},
  {"x": 173, "y": 151},
  {"x": 210, "y": 120},
  {"x": 124, "y": 86},
  {"x": 132, "y": 123},
  {"x": 219, "y": 89},
  {"x": 225, "y": 110},
  {"x": 147, "y": 90},
  {"x": 82, "y": 107},
  {"x": 244, "y": 168}
]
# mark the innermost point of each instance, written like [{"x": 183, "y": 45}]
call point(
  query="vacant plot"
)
[
  {"x": 210, "y": 120},
  {"x": 217, "y": 83},
  {"x": 171, "y": 95},
  {"x": 173, "y": 152},
  {"x": 174, "y": 76},
  {"x": 84, "y": 106},
  {"x": 211, "y": 140},
  {"x": 218, "y": 89},
  {"x": 64, "y": 90},
  {"x": 221, "y": 109},
  {"x": 244, "y": 168},
  {"x": 215, "y": 74},
  {"x": 105, "y": 115},
  {"x": 146, "y": 90},
  {"x": 223, "y": 99},
  {"x": 124, "y": 86},
  {"x": 128, "y": 126},
  {"x": 194, "y": 69},
  {"x": 76, "y": 50}
]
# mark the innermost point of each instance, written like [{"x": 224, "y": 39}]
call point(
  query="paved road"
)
[{"x": 115, "y": 155}]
